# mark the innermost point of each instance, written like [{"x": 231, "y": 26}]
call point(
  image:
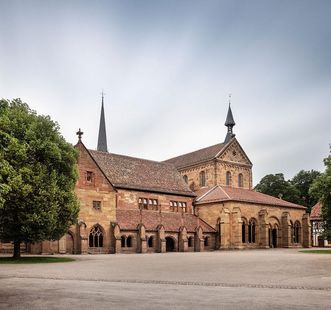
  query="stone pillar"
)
[
  {"x": 306, "y": 231},
  {"x": 198, "y": 240},
  {"x": 62, "y": 245},
  {"x": 286, "y": 230},
  {"x": 183, "y": 241},
  {"x": 263, "y": 229},
  {"x": 116, "y": 244},
  {"x": 142, "y": 242},
  {"x": 161, "y": 241},
  {"x": 83, "y": 236},
  {"x": 225, "y": 231},
  {"x": 236, "y": 228}
]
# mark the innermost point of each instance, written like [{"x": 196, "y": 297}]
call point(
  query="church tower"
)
[
  {"x": 102, "y": 138},
  {"x": 230, "y": 123}
]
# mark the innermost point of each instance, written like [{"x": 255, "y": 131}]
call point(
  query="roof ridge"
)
[
  {"x": 207, "y": 192},
  {"x": 224, "y": 192},
  {"x": 131, "y": 157}
]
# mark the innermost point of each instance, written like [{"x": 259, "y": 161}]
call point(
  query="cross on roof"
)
[{"x": 79, "y": 133}]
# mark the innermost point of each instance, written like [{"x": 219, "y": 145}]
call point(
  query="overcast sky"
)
[{"x": 167, "y": 68}]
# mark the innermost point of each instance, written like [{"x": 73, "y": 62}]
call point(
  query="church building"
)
[{"x": 200, "y": 201}]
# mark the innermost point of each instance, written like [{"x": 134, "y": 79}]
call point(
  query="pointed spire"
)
[
  {"x": 230, "y": 123},
  {"x": 102, "y": 138}
]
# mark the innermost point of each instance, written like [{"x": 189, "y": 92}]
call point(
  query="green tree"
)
[
  {"x": 302, "y": 182},
  {"x": 276, "y": 185},
  {"x": 37, "y": 177},
  {"x": 321, "y": 190}
]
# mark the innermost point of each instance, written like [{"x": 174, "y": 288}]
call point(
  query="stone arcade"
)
[{"x": 198, "y": 201}]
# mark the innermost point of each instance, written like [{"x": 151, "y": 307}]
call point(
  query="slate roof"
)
[
  {"x": 130, "y": 219},
  {"x": 196, "y": 157},
  {"x": 316, "y": 210},
  {"x": 225, "y": 193},
  {"x": 141, "y": 174}
]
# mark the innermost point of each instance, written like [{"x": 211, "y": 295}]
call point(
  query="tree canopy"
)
[
  {"x": 295, "y": 190},
  {"x": 37, "y": 177},
  {"x": 321, "y": 190}
]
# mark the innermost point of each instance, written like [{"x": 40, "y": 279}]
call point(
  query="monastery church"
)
[{"x": 200, "y": 201}]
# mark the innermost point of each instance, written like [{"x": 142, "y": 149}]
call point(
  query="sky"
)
[{"x": 167, "y": 68}]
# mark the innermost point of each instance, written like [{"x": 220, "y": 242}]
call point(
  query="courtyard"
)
[{"x": 250, "y": 279}]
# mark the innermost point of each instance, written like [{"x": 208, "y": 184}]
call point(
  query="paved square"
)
[{"x": 251, "y": 279}]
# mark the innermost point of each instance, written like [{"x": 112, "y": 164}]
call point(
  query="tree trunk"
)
[{"x": 17, "y": 249}]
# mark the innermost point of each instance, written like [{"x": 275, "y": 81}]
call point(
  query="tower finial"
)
[
  {"x": 229, "y": 122},
  {"x": 79, "y": 133},
  {"x": 102, "y": 138}
]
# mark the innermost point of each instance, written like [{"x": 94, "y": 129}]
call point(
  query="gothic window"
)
[
  {"x": 240, "y": 180},
  {"x": 206, "y": 241},
  {"x": 296, "y": 235},
  {"x": 96, "y": 205},
  {"x": 228, "y": 178},
  {"x": 89, "y": 176},
  {"x": 129, "y": 242},
  {"x": 150, "y": 242},
  {"x": 202, "y": 177},
  {"x": 185, "y": 178},
  {"x": 190, "y": 242},
  {"x": 123, "y": 241},
  {"x": 96, "y": 237},
  {"x": 251, "y": 231}
]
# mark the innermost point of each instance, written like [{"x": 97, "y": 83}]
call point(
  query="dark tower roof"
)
[
  {"x": 229, "y": 122},
  {"x": 102, "y": 138}
]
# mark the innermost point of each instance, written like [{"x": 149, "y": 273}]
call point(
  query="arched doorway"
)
[
  {"x": 170, "y": 244},
  {"x": 274, "y": 234},
  {"x": 69, "y": 244}
]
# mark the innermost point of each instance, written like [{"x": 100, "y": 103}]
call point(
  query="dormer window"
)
[{"x": 89, "y": 176}]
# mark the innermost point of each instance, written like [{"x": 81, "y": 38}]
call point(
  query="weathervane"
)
[{"x": 79, "y": 133}]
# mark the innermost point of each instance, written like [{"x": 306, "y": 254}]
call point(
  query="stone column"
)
[
  {"x": 198, "y": 240},
  {"x": 236, "y": 227},
  {"x": 115, "y": 233},
  {"x": 183, "y": 246},
  {"x": 83, "y": 236},
  {"x": 225, "y": 231},
  {"x": 142, "y": 242},
  {"x": 161, "y": 241},
  {"x": 286, "y": 230},
  {"x": 263, "y": 229},
  {"x": 306, "y": 231}
]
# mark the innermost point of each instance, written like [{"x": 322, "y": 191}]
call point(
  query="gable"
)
[{"x": 234, "y": 153}]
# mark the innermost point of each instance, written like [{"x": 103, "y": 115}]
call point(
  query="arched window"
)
[
  {"x": 206, "y": 241},
  {"x": 296, "y": 232},
  {"x": 96, "y": 237},
  {"x": 202, "y": 178},
  {"x": 190, "y": 242},
  {"x": 240, "y": 180},
  {"x": 150, "y": 242},
  {"x": 228, "y": 178},
  {"x": 185, "y": 178},
  {"x": 129, "y": 242},
  {"x": 123, "y": 241},
  {"x": 251, "y": 231}
]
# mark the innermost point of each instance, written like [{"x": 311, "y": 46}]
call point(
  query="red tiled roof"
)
[
  {"x": 315, "y": 213},
  {"x": 141, "y": 174},
  {"x": 130, "y": 219},
  {"x": 196, "y": 157},
  {"x": 224, "y": 193}
]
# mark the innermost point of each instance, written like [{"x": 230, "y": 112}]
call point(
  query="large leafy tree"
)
[
  {"x": 37, "y": 177},
  {"x": 302, "y": 182},
  {"x": 321, "y": 190},
  {"x": 276, "y": 185}
]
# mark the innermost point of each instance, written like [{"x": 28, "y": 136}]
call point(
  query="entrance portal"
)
[
  {"x": 170, "y": 244},
  {"x": 274, "y": 238},
  {"x": 69, "y": 244}
]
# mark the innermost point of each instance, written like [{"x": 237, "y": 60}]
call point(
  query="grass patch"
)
[
  {"x": 35, "y": 260},
  {"x": 317, "y": 251}
]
